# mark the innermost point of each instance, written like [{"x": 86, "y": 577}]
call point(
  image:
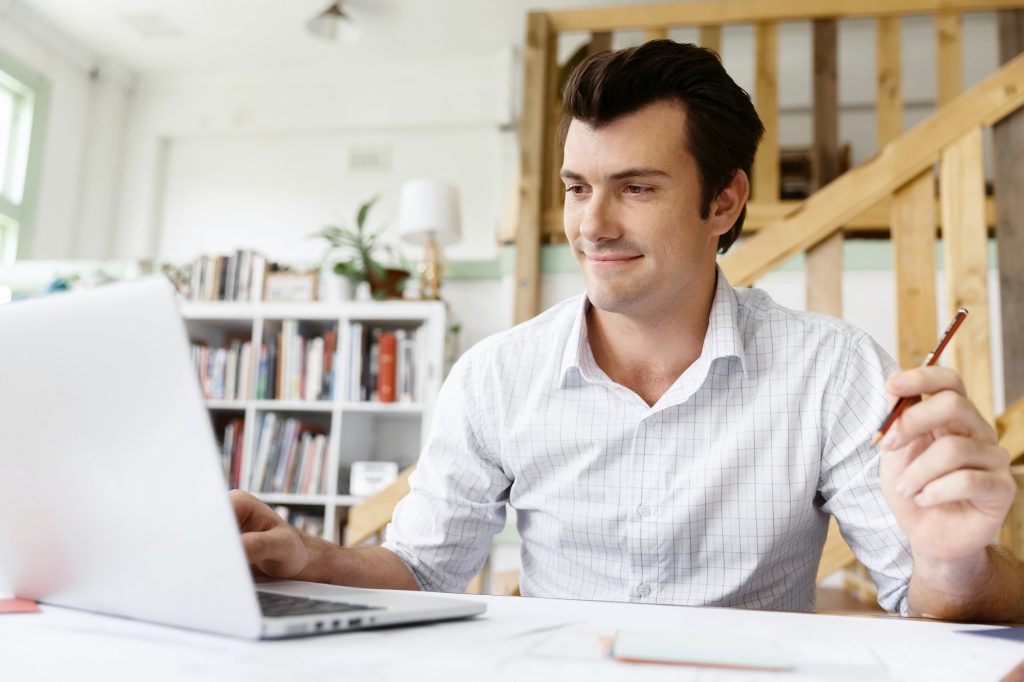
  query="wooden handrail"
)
[
  {"x": 715, "y": 12},
  {"x": 370, "y": 517},
  {"x": 859, "y": 189}
]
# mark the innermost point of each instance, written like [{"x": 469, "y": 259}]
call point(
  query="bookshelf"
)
[{"x": 309, "y": 476}]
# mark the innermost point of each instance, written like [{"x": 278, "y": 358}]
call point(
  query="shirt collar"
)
[{"x": 722, "y": 340}]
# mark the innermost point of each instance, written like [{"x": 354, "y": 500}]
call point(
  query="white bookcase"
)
[{"x": 356, "y": 431}]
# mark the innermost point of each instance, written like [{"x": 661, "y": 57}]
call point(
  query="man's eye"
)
[
  {"x": 638, "y": 189},
  {"x": 574, "y": 189}
]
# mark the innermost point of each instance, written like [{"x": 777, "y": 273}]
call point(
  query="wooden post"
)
[
  {"x": 655, "y": 34},
  {"x": 889, "y": 77},
  {"x": 1012, "y": 535},
  {"x": 1008, "y": 178},
  {"x": 965, "y": 242},
  {"x": 824, "y": 271},
  {"x": 913, "y": 244},
  {"x": 554, "y": 197},
  {"x": 766, "y": 99},
  {"x": 711, "y": 38},
  {"x": 950, "y": 68},
  {"x": 599, "y": 42},
  {"x": 531, "y": 190}
]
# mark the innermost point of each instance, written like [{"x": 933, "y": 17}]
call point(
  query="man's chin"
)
[{"x": 613, "y": 301}]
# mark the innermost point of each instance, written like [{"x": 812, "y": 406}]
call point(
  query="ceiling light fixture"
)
[{"x": 333, "y": 24}]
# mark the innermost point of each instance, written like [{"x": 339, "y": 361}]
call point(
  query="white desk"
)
[{"x": 518, "y": 640}]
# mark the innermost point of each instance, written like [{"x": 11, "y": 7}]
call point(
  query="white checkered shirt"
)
[{"x": 717, "y": 495}]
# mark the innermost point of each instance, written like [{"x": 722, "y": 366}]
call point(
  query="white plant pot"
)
[{"x": 335, "y": 288}]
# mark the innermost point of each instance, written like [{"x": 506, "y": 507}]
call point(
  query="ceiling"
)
[{"x": 157, "y": 36}]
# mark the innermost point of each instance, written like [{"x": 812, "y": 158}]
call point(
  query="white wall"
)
[
  {"x": 262, "y": 159},
  {"x": 80, "y": 170}
]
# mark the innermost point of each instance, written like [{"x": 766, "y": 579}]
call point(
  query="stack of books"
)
[
  {"x": 224, "y": 373},
  {"x": 290, "y": 457},
  {"x": 238, "y": 277},
  {"x": 294, "y": 365},
  {"x": 383, "y": 364}
]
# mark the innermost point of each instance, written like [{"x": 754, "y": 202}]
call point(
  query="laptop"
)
[{"x": 112, "y": 494}]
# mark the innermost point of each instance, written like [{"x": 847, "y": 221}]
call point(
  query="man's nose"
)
[{"x": 600, "y": 221}]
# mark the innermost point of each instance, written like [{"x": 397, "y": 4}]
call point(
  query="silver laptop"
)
[{"x": 112, "y": 496}]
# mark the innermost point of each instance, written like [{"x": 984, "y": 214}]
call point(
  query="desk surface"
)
[{"x": 520, "y": 640}]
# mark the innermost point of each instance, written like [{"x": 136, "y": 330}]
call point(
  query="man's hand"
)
[
  {"x": 943, "y": 473},
  {"x": 275, "y": 549}
]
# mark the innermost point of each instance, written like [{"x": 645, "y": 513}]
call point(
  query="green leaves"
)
[{"x": 361, "y": 264}]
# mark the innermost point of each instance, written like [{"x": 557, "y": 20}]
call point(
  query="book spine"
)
[{"x": 387, "y": 354}]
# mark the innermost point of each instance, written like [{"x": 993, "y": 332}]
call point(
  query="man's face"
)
[{"x": 632, "y": 210}]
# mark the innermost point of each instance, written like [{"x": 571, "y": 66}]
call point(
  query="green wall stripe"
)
[{"x": 858, "y": 254}]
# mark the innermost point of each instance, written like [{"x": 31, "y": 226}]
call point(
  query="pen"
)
[{"x": 933, "y": 357}]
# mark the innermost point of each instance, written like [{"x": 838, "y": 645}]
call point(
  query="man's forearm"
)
[
  {"x": 988, "y": 590},
  {"x": 373, "y": 567}
]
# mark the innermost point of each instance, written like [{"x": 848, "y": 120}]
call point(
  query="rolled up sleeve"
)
[{"x": 442, "y": 529}]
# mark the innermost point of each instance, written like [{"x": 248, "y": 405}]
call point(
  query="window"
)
[{"x": 23, "y": 99}]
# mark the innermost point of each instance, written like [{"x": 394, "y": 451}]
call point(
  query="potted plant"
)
[{"x": 361, "y": 249}]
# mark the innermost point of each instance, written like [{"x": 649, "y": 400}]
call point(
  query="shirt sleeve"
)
[
  {"x": 442, "y": 529},
  {"x": 849, "y": 480}
]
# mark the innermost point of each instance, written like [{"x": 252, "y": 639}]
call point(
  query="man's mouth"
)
[{"x": 612, "y": 259}]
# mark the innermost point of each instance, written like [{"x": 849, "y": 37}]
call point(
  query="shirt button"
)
[
  {"x": 643, "y": 589},
  {"x": 644, "y": 510}
]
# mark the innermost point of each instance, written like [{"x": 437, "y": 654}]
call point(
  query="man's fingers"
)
[
  {"x": 251, "y": 513},
  {"x": 276, "y": 552},
  {"x": 989, "y": 490},
  {"x": 947, "y": 410},
  {"x": 924, "y": 380},
  {"x": 945, "y": 456}
]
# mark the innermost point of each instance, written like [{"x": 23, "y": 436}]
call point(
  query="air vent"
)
[
  {"x": 152, "y": 25},
  {"x": 376, "y": 158}
]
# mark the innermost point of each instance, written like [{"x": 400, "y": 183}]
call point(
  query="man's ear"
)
[{"x": 726, "y": 207}]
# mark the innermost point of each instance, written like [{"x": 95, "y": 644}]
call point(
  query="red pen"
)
[{"x": 933, "y": 357}]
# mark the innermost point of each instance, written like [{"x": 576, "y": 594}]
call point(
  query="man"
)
[{"x": 666, "y": 438}]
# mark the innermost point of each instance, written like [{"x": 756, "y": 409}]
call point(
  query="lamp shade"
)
[{"x": 429, "y": 208}]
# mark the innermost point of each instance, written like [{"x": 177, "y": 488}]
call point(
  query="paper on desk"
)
[{"x": 699, "y": 649}]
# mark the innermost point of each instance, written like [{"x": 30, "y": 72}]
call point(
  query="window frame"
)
[{"x": 17, "y": 218}]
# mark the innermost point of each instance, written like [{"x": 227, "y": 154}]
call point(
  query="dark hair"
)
[{"x": 722, "y": 131}]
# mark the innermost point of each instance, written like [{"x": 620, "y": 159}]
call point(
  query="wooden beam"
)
[
  {"x": 715, "y": 12},
  {"x": 531, "y": 165},
  {"x": 950, "y": 67},
  {"x": 965, "y": 248},
  {"x": 913, "y": 245},
  {"x": 766, "y": 100},
  {"x": 823, "y": 285},
  {"x": 889, "y": 79},
  {"x": 711, "y": 38},
  {"x": 1008, "y": 179},
  {"x": 1010, "y": 427},
  {"x": 659, "y": 33},
  {"x": 861, "y": 188}
]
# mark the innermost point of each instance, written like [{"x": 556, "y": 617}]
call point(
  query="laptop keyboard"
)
[{"x": 278, "y": 605}]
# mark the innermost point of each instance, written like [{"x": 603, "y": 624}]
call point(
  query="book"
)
[{"x": 387, "y": 357}]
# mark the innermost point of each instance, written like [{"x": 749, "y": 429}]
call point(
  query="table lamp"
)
[{"x": 428, "y": 215}]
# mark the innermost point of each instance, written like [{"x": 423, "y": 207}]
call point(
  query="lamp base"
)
[{"x": 430, "y": 272}]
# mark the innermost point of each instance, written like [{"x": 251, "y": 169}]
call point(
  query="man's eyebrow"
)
[{"x": 567, "y": 174}]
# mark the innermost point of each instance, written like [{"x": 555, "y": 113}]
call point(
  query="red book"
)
[{"x": 386, "y": 375}]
